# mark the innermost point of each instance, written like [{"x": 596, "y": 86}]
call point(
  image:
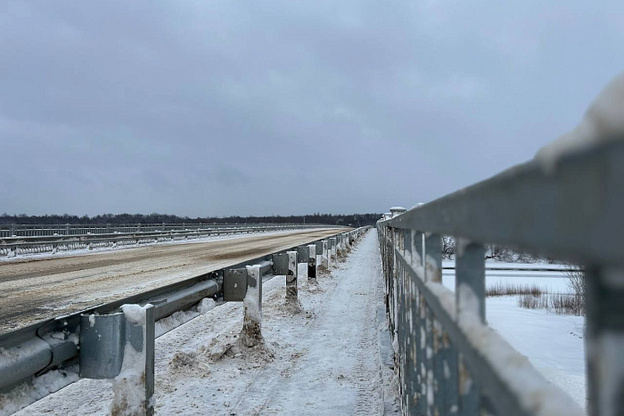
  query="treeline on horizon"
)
[{"x": 353, "y": 220}]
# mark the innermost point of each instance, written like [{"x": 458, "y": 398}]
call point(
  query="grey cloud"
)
[{"x": 198, "y": 108}]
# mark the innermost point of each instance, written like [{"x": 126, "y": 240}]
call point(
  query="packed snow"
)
[{"x": 553, "y": 343}]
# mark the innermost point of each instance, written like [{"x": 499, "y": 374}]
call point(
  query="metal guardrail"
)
[
  {"x": 449, "y": 360},
  {"x": 30, "y": 352},
  {"x": 11, "y": 246},
  {"x": 39, "y": 230}
]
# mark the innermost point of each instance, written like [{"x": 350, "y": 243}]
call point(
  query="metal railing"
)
[
  {"x": 97, "y": 349},
  {"x": 39, "y": 230},
  {"x": 449, "y": 360},
  {"x": 39, "y": 239}
]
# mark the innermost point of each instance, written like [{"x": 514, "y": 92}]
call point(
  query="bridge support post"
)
[{"x": 251, "y": 334}]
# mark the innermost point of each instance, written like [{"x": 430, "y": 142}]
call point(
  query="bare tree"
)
[
  {"x": 576, "y": 282},
  {"x": 448, "y": 248}
]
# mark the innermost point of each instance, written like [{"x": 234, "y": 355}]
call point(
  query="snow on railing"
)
[{"x": 566, "y": 204}]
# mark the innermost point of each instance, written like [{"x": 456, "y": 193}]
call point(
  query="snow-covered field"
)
[
  {"x": 325, "y": 360},
  {"x": 553, "y": 343}
]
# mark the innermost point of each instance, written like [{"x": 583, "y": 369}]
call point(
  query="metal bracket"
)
[{"x": 235, "y": 284}]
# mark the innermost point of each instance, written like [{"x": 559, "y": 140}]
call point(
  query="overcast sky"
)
[{"x": 218, "y": 108}]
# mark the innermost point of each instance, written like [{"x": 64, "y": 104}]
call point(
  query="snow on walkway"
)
[{"x": 322, "y": 361}]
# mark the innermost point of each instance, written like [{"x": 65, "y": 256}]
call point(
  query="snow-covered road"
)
[
  {"x": 35, "y": 289},
  {"x": 322, "y": 361}
]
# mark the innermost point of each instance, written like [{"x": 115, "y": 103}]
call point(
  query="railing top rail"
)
[
  {"x": 571, "y": 211},
  {"x": 155, "y": 224}
]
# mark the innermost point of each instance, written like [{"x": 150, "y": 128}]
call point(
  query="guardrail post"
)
[
  {"x": 134, "y": 386},
  {"x": 332, "y": 248},
  {"x": 291, "y": 277},
  {"x": 312, "y": 262},
  {"x": 319, "y": 254},
  {"x": 328, "y": 253},
  {"x": 604, "y": 340},
  {"x": 470, "y": 300},
  {"x": 251, "y": 334},
  {"x": 302, "y": 256},
  {"x": 120, "y": 347}
]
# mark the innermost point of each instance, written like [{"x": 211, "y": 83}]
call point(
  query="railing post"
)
[
  {"x": 432, "y": 258},
  {"x": 604, "y": 340},
  {"x": 407, "y": 245},
  {"x": 251, "y": 334},
  {"x": 470, "y": 301}
]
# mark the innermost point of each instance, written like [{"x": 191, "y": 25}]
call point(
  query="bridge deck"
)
[
  {"x": 36, "y": 289},
  {"x": 324, "y": 360}
]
